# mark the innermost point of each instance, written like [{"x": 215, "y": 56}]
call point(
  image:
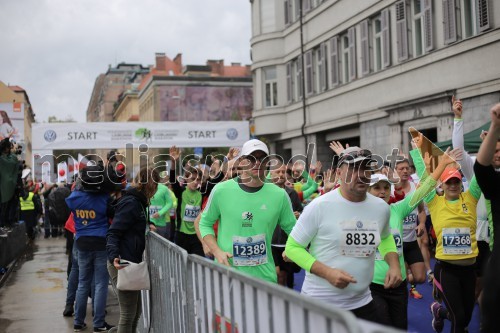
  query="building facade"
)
[
  {"x": 171, "y": 91},
  {"x": 110, "y": 86},
  {"x": 364, "y": 71},
  {"x": 17, "y": 117}
]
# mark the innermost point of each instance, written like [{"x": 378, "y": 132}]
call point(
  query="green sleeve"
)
[
  {"x": 298, "y": 254},
  {"x": 474, "y": 188},
  {"x": 210, "y": 214},
  {"x": 168, "y": 203},
  {"x": 309, "y": 181},
  {"x": 386, "y": 245},
  {"x": 421, "y": 171},
  {"x": 418, "y": 161},
  {"x": 287, "y": 217},
  {"x": 403, "y": 208},
  {"x": 309, "y": 191}
]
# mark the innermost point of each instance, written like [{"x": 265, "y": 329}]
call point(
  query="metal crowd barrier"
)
[{"x": 193, "y": 294}]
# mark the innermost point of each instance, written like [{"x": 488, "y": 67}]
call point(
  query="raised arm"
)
[{"x": 457, "y": 139}]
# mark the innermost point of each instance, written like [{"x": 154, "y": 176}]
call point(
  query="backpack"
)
[{"x": 58, "y": 209}]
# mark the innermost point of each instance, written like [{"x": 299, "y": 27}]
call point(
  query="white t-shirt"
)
[
  {"x": 322, "y": 224},
  {"x": 5, "y": 130}
]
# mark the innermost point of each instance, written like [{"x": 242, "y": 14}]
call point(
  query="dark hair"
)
[
  {"x": 404, "y": 160},
  {"x": 144, "y": 179},
  {"x": 111, "y": 156}
]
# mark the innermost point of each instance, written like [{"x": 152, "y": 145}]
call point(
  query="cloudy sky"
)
[{"x": 55, "y": 49}]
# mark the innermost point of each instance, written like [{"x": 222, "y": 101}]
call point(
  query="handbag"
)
[{"x": 134, "y": 277}]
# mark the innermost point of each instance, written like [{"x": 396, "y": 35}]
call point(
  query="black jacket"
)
[{"x": 126, "y": 237}]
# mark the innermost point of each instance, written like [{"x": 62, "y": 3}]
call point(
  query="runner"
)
[
  {"x": 412, "y": 228},
  {"x": 392, "y": 304},
  {"x": 344, "y": 227},
  {"x": 159, "y": 211},
  {"x": 188, "y": 205},
  {"x": 483, "y": 206},
  {"x": 454, "y": 220},
  {"x": 284, "y": 270},
  {"x": 487, "y": 170},
  {"x": 248, "y": 210}
]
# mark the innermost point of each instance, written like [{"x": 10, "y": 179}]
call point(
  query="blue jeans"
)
[
  {"x": 73, "y": 277},
  {"x": 92, "y": 264}
]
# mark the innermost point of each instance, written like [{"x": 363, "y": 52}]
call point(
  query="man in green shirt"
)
[{"x": 248, "y": 210}]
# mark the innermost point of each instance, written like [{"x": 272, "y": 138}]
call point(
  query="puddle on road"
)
[
  {"x": 50, "y": 270},
  {"x": 58, "y": 285}
]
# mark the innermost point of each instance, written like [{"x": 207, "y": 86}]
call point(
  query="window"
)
[
  {"x": 289, "y": 82},
  {"x": 268, "y": 20},
  {"x": 334, "y": 62},
  {"x": 475, "y": 17},
  {"x": 348, "y": 57},
  {"x": 292, "y": 11},
  {"x": 417, "y": 28},
  {"x": 298, "y": 78},
  {"x": 422, "y": 26},
  {"x": 375, "y": 43},
  {"x": 320, "y": 67},
  {"x": 270, "y": 86},
  {"x": 401, "y": 30},
  {"x": 309, "y": 73},
  {"x": 450, "y": 21}
]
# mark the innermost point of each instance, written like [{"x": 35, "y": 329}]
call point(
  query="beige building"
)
[
  {"x": 172, "y": 91},
  {"x": 16, "y": 100},
  {"x": 364, "y": 71}
]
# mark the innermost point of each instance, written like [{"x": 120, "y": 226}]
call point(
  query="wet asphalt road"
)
[{"x": 34, "y": 295}]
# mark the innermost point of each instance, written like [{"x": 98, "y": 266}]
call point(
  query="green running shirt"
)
[{"x": 246, "y": 224}]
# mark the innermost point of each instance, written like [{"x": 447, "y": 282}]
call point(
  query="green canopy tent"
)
[{"x": 471, "y": 140}]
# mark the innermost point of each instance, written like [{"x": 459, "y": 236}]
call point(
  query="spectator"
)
[
  {"x": 126, "y": 240},
  {"x": 9, "y": 178}
]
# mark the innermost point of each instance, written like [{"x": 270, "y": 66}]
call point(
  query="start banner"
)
[{"x": 107, "y": 135}]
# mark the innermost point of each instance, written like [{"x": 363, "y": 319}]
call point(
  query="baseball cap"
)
[
  {"x": 377, "y": 178},
  {"x": 449, "y": 173},
  {"x": 253, "y": 145},
  {"x": 355, "y": 154}
]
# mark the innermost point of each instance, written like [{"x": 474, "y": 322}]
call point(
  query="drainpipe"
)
[{"x": 301, "y": 22}]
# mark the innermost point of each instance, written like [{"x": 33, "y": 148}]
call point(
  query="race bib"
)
[
  {"x": 399, "y": 244},
  {"x": 249, "y": 251},
  {"x": 191, "y": 212},
  {"x": 153, "y": 210},
  {"x": 457, "y": 241},
  {"x": 410, "y": 222},
  {"x": 359, "y": 239}
]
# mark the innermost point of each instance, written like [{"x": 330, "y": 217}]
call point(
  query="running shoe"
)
[
  {"x": 105, "y": 328},
  {"x": 437, "y": 321},
  {"x": 79, "y": 328},
  {"x": 415, "y": 294},
  {"x": 430, "y": 276}
]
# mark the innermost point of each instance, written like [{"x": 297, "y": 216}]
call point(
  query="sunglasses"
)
[
  {"x": 255, "y": 158},
  {"x": 354, "y": 154}
]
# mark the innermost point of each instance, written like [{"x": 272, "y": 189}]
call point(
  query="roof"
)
[{"x": 16, "y": 88}]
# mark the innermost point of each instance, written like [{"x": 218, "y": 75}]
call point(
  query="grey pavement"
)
[{"x": 34, "y": 295}]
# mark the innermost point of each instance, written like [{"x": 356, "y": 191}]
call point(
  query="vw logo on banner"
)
[
  {"x": 50, "y": 135},
  {"x": 232, "y": 134}
]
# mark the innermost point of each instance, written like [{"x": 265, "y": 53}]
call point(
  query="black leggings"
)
[
  {"x": 490, "y": 307},
  {"x": 456, "y": 286},
  {"x": 392, "y": 304}
]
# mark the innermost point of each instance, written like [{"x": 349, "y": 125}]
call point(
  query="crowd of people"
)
[
  {"x": 360, "y": 253},
  {"x": 364, "y": 230}
]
